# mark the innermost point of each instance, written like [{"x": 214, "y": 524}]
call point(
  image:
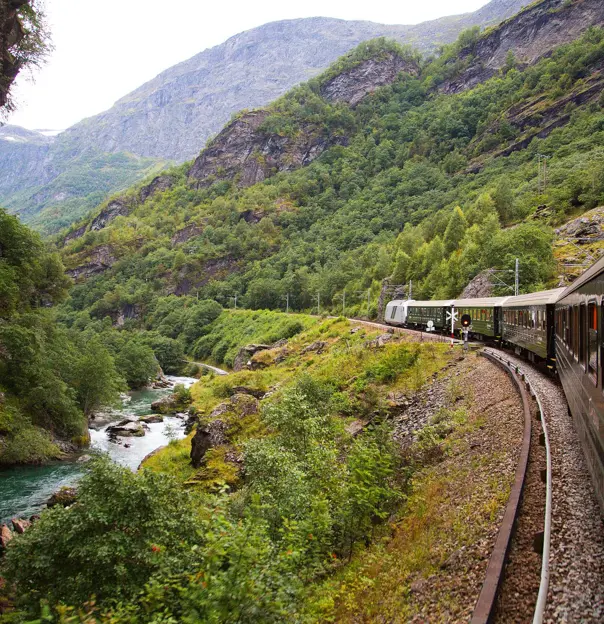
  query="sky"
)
[{"x": 103, "y": 49}]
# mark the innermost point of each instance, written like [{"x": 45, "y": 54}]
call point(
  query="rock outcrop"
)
[
  {"x": 187, "y": 233},
  {"x": 100, "y": 259},
  {"x": 529, "y": 36},
  {"x": 244, "y": 153},
  {"x": 247, "y": 154},
  {"x": 243, "y": 358},
  {"x": 157, "y": 185},
  {"x": 479, "y": 286},
  {"x": 115, "y": 208},
  {"x": 353, "y": 85},
  {"x": 215, "y": 430},
  {"x": 207, "y": 437}
]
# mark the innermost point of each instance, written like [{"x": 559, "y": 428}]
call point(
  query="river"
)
[{"x": 25, "y": 489}]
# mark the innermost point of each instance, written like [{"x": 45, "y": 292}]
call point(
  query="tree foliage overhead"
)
[{"x": 24, "y": 42}]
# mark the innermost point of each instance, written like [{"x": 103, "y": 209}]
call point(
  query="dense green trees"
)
[{"x": 149, "y": 550}]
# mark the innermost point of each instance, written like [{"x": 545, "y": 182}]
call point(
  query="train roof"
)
[
  {"x": 594, "y": 270},
  {"x": 480, "y": 302},
  {"x": 398, "y": 302},
  {"x": 542, "y": 297},
  {"x": 439, "y": 303}
]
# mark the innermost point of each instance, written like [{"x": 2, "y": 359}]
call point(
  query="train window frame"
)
[
  {"x": 592, "y": 372},
  {"x": 573, "y": 332},
  {"x": 393, "y": 313},
  {"x": 582, "y": 334}
]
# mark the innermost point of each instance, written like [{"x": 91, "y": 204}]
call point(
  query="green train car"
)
[
  {"x": 420, "y": 312},
  {"x": 485, "y": 314}
]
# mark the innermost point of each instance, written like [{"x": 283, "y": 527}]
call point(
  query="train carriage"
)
[
  {"x": 579, "y": 317},
  {"x": 528, "y": 324},
  {"x": 485, "y": 313},
  {"x": 396, "y": 312},
  {"x": 420, "y": 312}
]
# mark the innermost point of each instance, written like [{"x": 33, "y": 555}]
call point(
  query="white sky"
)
[{"x": 106, "y": 48}]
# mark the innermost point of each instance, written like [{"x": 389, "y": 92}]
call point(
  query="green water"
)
[{"x": 24, "y": 490}]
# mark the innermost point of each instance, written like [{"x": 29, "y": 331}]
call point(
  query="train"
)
[{"x": 563, "y": 328}]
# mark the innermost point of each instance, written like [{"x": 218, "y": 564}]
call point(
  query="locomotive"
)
[{"x": 562, "y": 327}]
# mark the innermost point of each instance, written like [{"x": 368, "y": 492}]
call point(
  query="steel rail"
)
[
  {"x": 485, "y": 606},
  {"x": 547, "y": 523}
]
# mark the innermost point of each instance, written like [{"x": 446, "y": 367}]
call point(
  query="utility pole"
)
[
  {"x": 410, "y": 294},
  {"x": 286, "y": 303},
  {"x": 344, "y": 302},
  {"x": 516, "y": 278},
  {"x": 317, "y": 298},
  {"x": 234, "y": 297}
]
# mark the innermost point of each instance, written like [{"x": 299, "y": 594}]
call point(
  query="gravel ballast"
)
[{"x": 576, "y": 588}]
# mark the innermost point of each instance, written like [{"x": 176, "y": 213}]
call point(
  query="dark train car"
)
[
  {"x": 528, "y": 324},
  {"x": 485, "y": 314},
  {"x": 579, "y": 353},
  {"x": 420, "y": 312}
]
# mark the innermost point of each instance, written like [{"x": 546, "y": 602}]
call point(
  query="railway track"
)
[
  {"x": 558, "y": 576},
  {"x": 572, "y": 578}
]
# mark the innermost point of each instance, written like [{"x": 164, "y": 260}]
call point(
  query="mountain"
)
[
  {"x": 171, "y": 117},
  {"x": 374, "y": 169}
]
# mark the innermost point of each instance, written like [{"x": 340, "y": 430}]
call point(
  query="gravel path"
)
[{"x": 576, "y": 589}]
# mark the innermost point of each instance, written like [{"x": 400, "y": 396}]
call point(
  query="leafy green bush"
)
[{"x": 137, "y": 363}]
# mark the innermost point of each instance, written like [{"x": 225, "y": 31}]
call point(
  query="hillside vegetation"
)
[{"x": 425, "y": 189}]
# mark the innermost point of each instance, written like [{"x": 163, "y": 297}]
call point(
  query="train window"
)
[
  {"x": 573, "y": 330},
  {"x": 592, "y": 341},
  {"x": 393, "y": 313},
  {"x": 582, "y": 332}
]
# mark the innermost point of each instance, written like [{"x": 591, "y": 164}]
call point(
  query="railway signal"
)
[
  {"x": 466, "y": 323},
  {"x": 452, "y": 316}
]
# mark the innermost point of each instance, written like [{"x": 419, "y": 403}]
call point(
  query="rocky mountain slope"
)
[
  {"x": 172, "y": 116},
  {"x": 521, "y": 41},
  {"x": 370, "y": 170}
]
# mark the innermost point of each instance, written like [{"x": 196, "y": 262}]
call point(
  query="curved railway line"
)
[{"x": 571, "y": 536}]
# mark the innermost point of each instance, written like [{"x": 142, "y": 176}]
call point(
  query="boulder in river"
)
[
  {"x": 65, "y": 497},
  {"x": 152, "y": 418},
  {"x": 166, "y": 405},
  {"x": 126, "y": 428},
  {"x": 20, "y": 525}
]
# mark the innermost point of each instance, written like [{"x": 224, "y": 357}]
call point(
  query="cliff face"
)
[
  {"x": 245, "y": 152},
  {"x": 530, "y": 35}
]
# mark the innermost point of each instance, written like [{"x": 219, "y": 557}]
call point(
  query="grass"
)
[{"x": 361, "y": 378}]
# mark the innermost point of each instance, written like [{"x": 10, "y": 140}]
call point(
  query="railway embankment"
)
[
  {"x": 576, "y": 560},
  {"x": 463, "y": 433}
]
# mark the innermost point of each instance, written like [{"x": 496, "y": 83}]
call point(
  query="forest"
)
[{"x": 425, "y": 190}]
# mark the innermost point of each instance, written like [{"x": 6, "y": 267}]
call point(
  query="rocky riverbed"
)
[{"x": 24, "y": 490}]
